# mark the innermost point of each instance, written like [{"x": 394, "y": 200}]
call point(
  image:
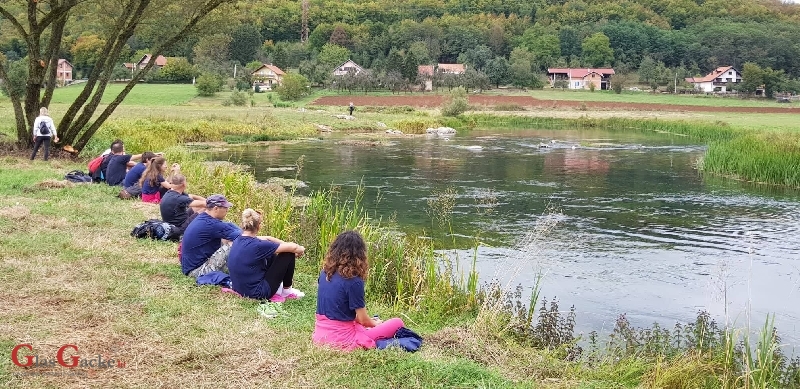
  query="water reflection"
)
[{"x": 642, "y": 231}]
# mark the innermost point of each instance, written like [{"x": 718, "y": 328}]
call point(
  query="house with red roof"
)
[
  {"x": 581, "y": 78},
  {"x": 269, "y": 75},
  {"x": 717, "y": 81},
  {"x": 63, "y": 72},
  {"x": 427, "y": 71},
  {"x": 160, "y": 62}
]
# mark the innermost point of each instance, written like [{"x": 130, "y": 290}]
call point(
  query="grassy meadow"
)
[{"x": 73, "y": 275}]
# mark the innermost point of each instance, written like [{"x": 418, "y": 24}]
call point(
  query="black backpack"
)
[
  {"x": 154, "y": 229},
  {"x": 44, "y": 130},
  {"x": 78, "y": 176}
]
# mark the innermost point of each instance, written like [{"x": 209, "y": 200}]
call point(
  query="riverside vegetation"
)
[{"x": 85, "y": 281}]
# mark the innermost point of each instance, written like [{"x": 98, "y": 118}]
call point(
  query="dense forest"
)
[{"x": 510, "y": 41}]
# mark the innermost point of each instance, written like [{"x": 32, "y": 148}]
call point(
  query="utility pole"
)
[
  {"x": 675, "y": 91},
  {"x": 304, "y": 27},
  {"x": 234, "y": 70}
]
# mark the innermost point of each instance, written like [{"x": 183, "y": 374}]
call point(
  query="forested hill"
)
[
  {"x": 693, "y": 36},
  {"x": 707, "y": 33}
]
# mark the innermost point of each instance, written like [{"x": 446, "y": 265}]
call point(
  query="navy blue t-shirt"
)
[
  {"x": 248, "y": 262},
  {"x": 117, "y": 168},
  {"x": 339, "y": 298},
  {"x": 147, "y": 188},
  {"x": 202, "y": 238},
  {"x": 134, "y": 175}
]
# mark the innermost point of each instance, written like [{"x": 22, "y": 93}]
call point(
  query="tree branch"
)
[
  {"x": 14, "y": 22},
  {"x": 16, "y": 102},
  {"x": 52, "y": 52},
  {"x": 67, "y": 127},
  {"x": 199, "y": 15}
]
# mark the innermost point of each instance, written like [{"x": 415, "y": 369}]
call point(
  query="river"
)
[{"x": 639, "y": 230}]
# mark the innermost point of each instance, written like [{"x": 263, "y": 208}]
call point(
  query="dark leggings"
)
[
  {"x": 38, "y": 143},
  {"x": 281, "y": 269}
]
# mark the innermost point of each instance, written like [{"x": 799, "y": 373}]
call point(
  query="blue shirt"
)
[
  {"x": 117, "y": 169},
  {"x": 202, "y": 238},
  {"x": 133, "y": 175},
  {"x": 248, "y": 262},
  {"x": 147, "y": 188},
  {"x": 339, "y": 298}
]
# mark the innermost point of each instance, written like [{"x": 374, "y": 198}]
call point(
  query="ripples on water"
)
[{"x": 642, "y": 232}]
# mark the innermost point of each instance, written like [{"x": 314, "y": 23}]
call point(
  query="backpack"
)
[
  {"x": 94, "y": 164},
  {"x": 44, "y": 130},
  {"x": 99, "y": 174},
  {"x": 78, "y": 176},
  {"x": 154, "y": 229}
]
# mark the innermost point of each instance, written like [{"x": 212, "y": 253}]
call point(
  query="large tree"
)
[{"x": 41, "y": 25}]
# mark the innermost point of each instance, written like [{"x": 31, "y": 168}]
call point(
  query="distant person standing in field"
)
[
  {"x": 352, "y": 108},
  {"x": 43, "y": 130}
]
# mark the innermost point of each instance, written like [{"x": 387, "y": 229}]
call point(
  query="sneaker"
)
[
  {"x": 268, "y": 310},
  {"x": 276, "y": 298},
  {"x": 292, "y": 293}
]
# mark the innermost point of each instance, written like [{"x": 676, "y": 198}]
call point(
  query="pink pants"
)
[
  {"x": 349, "y": 335},
  {"x": 151, "y": 198}
]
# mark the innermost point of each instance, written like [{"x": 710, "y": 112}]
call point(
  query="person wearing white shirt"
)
[{"x": 43, "y": 130}]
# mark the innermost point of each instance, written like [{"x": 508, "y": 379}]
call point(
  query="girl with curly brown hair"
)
[{"x": 342, "y": 320}]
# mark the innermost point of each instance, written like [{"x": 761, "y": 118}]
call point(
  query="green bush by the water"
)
[
  {"x": 772, "y": 158},
  {"x": 158, "y": 134}
]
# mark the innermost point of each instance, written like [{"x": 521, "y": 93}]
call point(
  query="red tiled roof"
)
[
  {"x": 711, "y": 76},
  {"x": 274, "y": 69},
  {"x": 581, "y": 73},
  {"x": 453, "y": 68},
  {"x": 62, "y": 60}
]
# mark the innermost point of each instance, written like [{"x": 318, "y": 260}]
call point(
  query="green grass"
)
[{"x": 659, "y": 98}]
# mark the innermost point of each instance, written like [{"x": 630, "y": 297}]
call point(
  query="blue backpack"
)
[
  {"x": 154, "y": 229},
  {"x": 78, "y": 177}
]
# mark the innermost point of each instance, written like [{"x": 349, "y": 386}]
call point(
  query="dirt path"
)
[{"x": 420, "y": 100}]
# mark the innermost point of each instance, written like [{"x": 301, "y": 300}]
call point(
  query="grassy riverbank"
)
[{"x": 73, "y": 275}]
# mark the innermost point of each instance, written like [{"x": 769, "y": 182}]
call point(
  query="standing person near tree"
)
[
  {"x": 43, "y": 130},
  {"x": 352, "y": 108}
]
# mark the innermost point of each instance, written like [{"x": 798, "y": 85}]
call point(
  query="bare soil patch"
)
[{"x": 431, "y": 101}]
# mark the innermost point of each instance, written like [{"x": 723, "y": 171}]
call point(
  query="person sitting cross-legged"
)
[
  {"x": 179, "y": 208},
  {"x": 342, "y": 320},
  {"x": 202, "y": 248},
  {"x": 259, "y": 264}
]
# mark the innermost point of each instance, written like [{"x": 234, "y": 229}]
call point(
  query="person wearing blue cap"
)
[{"x": 203, "y": 249}]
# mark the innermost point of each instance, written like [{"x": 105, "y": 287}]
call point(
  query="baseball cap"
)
[{"x": 217, "y": 200}]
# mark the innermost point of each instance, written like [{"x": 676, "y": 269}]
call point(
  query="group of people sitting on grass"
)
[{"x": 260, "y": 267}]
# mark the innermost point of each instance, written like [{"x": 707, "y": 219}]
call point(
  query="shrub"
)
[
  {"x": 415, "y": 126},
  {"x": 294, "y": 87},
  {"x": 208, "y": 84},
  {"x": 456, "y": 104},
  {"x": 238, "y": 98}
]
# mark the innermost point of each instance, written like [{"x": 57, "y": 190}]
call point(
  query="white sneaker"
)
[{"x": 292, "y": 292}]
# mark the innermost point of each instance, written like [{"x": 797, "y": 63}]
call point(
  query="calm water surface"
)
[{"x": 640, "y": 231}]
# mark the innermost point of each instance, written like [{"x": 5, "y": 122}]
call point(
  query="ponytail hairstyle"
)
[
  {"x": 251, "y": 220},
  {"x": 153, "y": 172}
]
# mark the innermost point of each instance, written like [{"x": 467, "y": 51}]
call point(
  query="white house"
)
[
  {"x": 581, "y": 78},
  {"x": 717, "y": 80},
  {"x": 347, "y": 67}
]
